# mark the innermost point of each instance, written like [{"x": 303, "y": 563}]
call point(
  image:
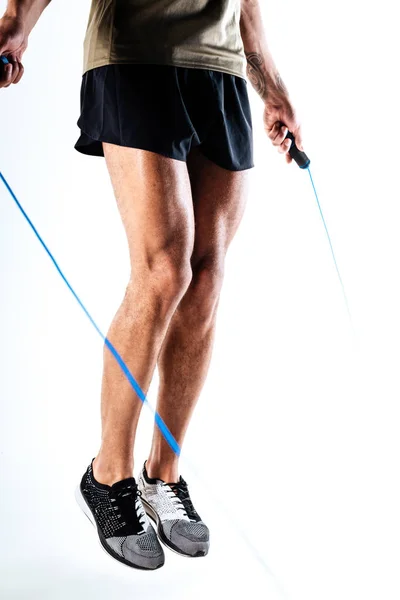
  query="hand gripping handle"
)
[{"x": 298, "y": 156}]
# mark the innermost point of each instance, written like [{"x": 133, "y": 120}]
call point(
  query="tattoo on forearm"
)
[
  {"x": 255, "y": 73},
  {"x": 281, "y": 86}
]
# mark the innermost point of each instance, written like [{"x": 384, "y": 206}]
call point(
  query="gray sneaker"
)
[
  {"x": 178, "y": 524},
  {"x": 122, "y": 525}
]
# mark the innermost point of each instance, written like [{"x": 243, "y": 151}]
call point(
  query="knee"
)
[
  {"x": 164, "y": 275},
  {"x": 206, "y": 287},
  {"x": 170, "y": 275}
]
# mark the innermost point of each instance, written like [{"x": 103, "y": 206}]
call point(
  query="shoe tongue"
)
[{"x": 123, "y": 483}]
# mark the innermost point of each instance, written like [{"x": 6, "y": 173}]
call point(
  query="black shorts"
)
[{"x": 168, "y": 110}]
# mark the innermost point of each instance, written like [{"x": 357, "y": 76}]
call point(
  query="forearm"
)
[
  {"x": 261, "y": 69},
  {"x": 27, "y": 11}
]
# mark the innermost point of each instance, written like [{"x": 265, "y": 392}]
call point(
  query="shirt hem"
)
[{"x": 179, "y": 63}]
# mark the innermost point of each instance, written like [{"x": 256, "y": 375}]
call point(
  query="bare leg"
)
[
  {"x": 219, "y": 198},
  {"x": 154, "y": 198}
]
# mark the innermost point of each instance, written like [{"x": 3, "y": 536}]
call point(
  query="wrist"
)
[
  {"x": 16, "y": 11},
  {"x": 21, "y": 14},
  {"x": 276, "y": 86},
  {"x": 19, "y": 19}
]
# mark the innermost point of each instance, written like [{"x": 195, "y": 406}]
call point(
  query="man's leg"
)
[
  {"x": 155, "y": 202},
  {"x": 219, "y": 198}
]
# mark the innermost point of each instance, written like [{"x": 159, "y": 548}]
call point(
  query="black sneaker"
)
[{"x": 123, "y": 527}]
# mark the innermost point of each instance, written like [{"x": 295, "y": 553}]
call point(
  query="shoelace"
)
[
  {"x": 122, "y": 501},
  {"x": 180, "y": 490}
]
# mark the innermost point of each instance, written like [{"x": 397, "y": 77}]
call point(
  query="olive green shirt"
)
[{"x": 186, "y": 33}]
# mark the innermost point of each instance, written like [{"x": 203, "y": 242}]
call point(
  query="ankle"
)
[
  {"x": 166, "y": 471},
  {"x": 107, "y": 471}
]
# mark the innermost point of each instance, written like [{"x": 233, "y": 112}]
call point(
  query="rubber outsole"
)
[
  {"x": 157, "y": 522},
  {"x": 79, "y": 497}
]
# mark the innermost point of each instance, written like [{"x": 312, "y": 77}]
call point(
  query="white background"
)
[{"x": 296, "y": 433}]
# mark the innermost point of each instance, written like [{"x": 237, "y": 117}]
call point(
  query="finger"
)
[
  {"x": 275, "y": 132},
  {"x": 281, "y": 135},
  {"x": 299, "y": 139},
  {"x": 288, "y": 158},
  {"x": 6, "y": 78},
  {"x": 11, "y": 73},
  {"x": 21, "y": 72},
  {"x": 15, "y": 72},
  {"x": 285, "y": 146}
]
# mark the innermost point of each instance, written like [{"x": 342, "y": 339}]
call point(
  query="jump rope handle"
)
[{"x": 298, "y": 156}]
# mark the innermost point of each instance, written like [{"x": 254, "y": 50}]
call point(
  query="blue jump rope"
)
[{"x": 303, "y": 162}]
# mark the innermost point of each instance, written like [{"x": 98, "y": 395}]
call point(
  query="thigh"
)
[
  {"x": 219, "y": 199},
  {"x": 154, "y": 198}
]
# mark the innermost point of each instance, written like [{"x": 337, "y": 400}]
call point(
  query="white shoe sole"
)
[{"x": 83, "y": 504}]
